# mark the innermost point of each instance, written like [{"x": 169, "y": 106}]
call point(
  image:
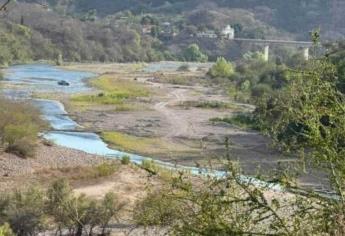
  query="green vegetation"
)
[
  {"x": 210, "y": 105},
  {"x": 242, "y": 120},
  {"x": 125, "y": 160},
  {"x": 115, "y": 31},
  {"x": 254, "y": 78},
  {"x": 164, "y": 174},
  {"x": 34, "y": 210},
  {"x": 114, "y": 91},
  {"x": 222, "y": 69},
  {"x": 5, "y": 230},
  {"x": 193, "y": 53},
  {"x": 184, "y": 67},
  {"x": 179, "y": 79},
  {"x": 86, "y": 173},
  {"x": 143, "y": 145},
  {"x": 150, "y": 166},
  {"x": 229, "y": 206},
  {"x": 303, "y": 112},
  {"x": 20, "y": 125}
]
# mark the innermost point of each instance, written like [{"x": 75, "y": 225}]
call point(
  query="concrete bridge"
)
[{"x": 304, "y": 44}]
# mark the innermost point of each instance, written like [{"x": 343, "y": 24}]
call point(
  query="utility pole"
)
[{"x": 266, "y": 53}]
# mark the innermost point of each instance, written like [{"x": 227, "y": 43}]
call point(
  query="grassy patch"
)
[
  {"x": 115, "y": 91},
  {"x": 242, "y": 120},
  {"x": 177, "y": 79},
  {"x": 210, "y": 105},
  {"x": 84, "y": 173},
  {"x": 143, "y": 145}
]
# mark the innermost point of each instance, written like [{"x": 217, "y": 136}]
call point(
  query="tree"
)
[
  {"x": 25, "y": 212},
  {"x": 308, "y": 115},
  {"x": 231, "y": 205},
  {"x": 222, "y": 68},
  {"x": 193, "y": 53},
  {"x": 79, "y": 213}
]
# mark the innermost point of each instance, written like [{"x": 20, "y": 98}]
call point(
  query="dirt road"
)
[{"x": 179, "y": 125}]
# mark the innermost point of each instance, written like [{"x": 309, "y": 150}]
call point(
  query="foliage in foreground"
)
[
  {"x": 33, "y": 211},
  {"x": 235, "y": 206}
]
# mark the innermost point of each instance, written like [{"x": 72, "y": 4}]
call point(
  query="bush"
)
[
  {"x": 23, "y": 147},
  {"x": 157, "y": 209},
  {"x": 24, "y": 211},
  {"x": 150, "y": 166},
  {"x": 193, "y": 53},
  {"x": 184, "y": 67},
  {"x": 261, "y": 90},
  {"x": 125, "y": 160},
  {"x": 20, "y": 124},
  {"x": 242, "y": 120},
  {"x": 222, "y": 68},
  {"x": 76, "y": 212},
  {"x": 6, "y": 230},
  {"x": 106, "y": 169}
]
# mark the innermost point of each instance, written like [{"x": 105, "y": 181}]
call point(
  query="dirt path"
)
[{"x": 179, "y": 125}]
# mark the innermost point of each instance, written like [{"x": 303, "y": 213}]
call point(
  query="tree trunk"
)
[{"x": 79, "y": 230}]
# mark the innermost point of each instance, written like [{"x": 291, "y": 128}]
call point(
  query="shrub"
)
[
  {"x": 261, "y": 90},
  {"x": 25, "y": 211},
  {"x": 222, "y": 68},
  {"x": 6, "y": 230},
  {"x": 75, "y": 212},
  {"x": 193, "y": 53},
  {"x": 243, "y": 120},
  {"x": 184, "y": 67},
  {"x": 20, "y": 124},
  {"x": 125, "y": 160},
  {"x": 157, "y": 209},
  {"x": 23, "y": 147},
  {"x": 106, "y": 169},
  {"x": 150, "y": 166}
]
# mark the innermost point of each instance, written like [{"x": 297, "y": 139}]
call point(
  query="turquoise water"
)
[{"x": 44, "y": 78}]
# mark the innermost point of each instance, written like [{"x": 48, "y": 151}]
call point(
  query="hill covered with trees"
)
[{"x": 123, "y": 31}]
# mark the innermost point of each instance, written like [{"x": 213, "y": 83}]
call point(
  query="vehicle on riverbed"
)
[{"x": 63, "y": 83}]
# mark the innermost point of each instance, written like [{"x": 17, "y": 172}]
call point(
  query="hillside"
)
[
  {"x": 294, "y": 16},
  {"x": 129, "y": 31}
]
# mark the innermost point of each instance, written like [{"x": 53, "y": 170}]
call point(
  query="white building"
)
[
  {"x": 207, "y": 34},
  {"x": 228, "y": 32}
]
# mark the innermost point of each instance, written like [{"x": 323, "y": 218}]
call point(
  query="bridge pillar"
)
[
  {"x": 267, "y": 52},
  {"x": 306, "y": 54}
]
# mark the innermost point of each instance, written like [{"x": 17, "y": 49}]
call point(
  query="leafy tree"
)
[
  {"x": 193, "y": 53},
  {"x": 25, "y": 212},
  {"x": 308, "y": 115},
  {"x": 222, "y": 68},
  {"x": 79, "y": 213}
]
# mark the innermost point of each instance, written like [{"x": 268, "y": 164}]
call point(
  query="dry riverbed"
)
[{"x": 171, "y": 123}]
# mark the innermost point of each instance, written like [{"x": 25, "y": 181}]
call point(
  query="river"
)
[{"x": 37, "y": 78}]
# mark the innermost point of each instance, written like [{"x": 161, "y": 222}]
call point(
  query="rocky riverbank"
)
[{"x": 47, "y": 157}]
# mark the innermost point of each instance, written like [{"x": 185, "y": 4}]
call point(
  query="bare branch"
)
[{"x": 3, "y": 7}]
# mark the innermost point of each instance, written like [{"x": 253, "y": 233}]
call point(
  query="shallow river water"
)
[{"x": 44, "y": 78}]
